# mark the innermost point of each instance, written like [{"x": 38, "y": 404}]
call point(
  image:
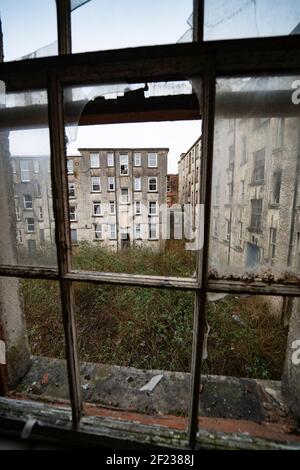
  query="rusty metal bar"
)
[
  {"x": 198, "y": 20},
  {"x": 200, "y": 300},
  {"x": 64, "y": 27},
  {"x": 63, "y": 239}
]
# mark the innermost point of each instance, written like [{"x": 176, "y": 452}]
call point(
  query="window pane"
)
[
  {"x": 33, "y": 330},
  {"x": 232, "y": 19},
  {"x": 29, "y": 29},
  {"x": 245, "y": 354},
  {"x": 127, "y": 336},
  {"x": 255, "y": 196},
  {"x": 120, "y": 24},
  {"x": 145, "y": 232},
  {"x": 26, "y": 182}
]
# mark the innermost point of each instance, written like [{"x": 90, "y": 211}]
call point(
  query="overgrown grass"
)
[
  {"x": 174, "y": 260},
  {"x": 152, "y": 328}
]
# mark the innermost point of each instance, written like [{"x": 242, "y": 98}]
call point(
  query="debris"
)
[
  {"x": 85, "y": 386},
  {"x": 149, "y": 387},
  {"x": 238, "y": 319},
  {"x": 45, "y": 379}
]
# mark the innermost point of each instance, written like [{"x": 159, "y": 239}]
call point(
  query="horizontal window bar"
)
[
  {"x": 276, "y": 54},
  {"x": 254, "y": 287},
  {"x": 31, "y": 272},
  {"x": 216, "y": 285},
  {"x": 187, "y": 283}
]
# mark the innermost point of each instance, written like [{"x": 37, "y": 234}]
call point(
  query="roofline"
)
[
  {"x": 193, "y": 145},
  {"x": 30, "y": 156},
  {"x": 123, "y": 148}
]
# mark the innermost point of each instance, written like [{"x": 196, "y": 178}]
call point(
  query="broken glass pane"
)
[{"x": 255, "y": 228}]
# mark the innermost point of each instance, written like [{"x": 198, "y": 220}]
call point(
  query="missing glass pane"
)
[{"x": 136, "y": 201}]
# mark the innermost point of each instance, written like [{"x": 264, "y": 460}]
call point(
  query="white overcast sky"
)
[{"x": 107, "y": 24}]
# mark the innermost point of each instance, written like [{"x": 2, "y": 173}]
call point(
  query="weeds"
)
[{"x": 153, "y": 328}]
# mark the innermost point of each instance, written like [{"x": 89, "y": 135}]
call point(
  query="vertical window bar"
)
[
  {"x": 208, "y": 87},
  {"x": 63, "y": 10},
  {"x": 198, "y": 20},
  {"x": 63, "y": 239}
]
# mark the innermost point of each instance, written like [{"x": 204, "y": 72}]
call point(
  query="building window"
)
[
  {"x": 41, "y": 213},
  {"x": 137, "y": 205},
  {"x": 242, "y": 188},
  {"x": 137, "y": 231},
  {"x": 28, "y": 201},
  {"x": 124, "y": 168},
  {"x": 137, "y": 158},
  {"x": 31, "y": 247},
  {"x": 229, "y": 193},
  {"x": 152, "y": 184},
  {"x": 241, "y": 232},
  {"x": 96, "y": 187},
  {"x": 13, "y": 165},
  {"x": 17, "y": 212},
  {"x": 71, "y": 187},
  {"x": 70, "y": 167},
  {"x": 273, "y": 237},
  {"x": 74, "y": 235},
  {"x": 112, "y": 231},
  {"x": 20, "y": 236},
  {"x": 153, "y": 231},
  {"x": 97, "y": 209},
  {"x": 152, "y": 208},
  {"x": 244, "y": 150},
  {"x": 168, "y": 183},
  {"x": 256, "y": 214},
  {"x": 36, "y": 166},
  {"x": 72, "y": 213},
  {"x": 98, "y": 232},
  {"x": 30, "y": 227},
  {"x": 94, "y": 160},
  {"x": 277, "y": 175},
  {"x": 259, "y": 167},
  {"x": 112, "y": 207},
  {"x": 280, "y": 132},
  {"x": 110, "y": 159},
  {"x": 231, "y": 155},
  {"x": 152, "y": 160},
  {"x": 215, "y": 227},
  {"x": 124, "y": 195},
  {"x": 24, "y": 166},
  {"x": 37, "y": 190},
  {"x": 42, "y": 236},
  {"x": 111, "y": 183},
  {"x": 228, "y": 229},
  {"x": 137, "y": 183}
]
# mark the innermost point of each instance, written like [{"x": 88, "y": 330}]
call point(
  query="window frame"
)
[
  {"x": 149, "y": 184},
  {"x": 94, "y": 184},
  {"x": 94, "y": 155},
  {"x": 256, "y": 56},
  {"x": 149, "y": 156},
  {"x": 30, "y": 201},
  {"x": 94, "y": 205},
  {"x": 30, "y": 224},
  {"x": 137, "y": 187}
]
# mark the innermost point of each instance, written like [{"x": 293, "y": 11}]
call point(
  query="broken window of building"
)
[
  {"x": 124, "y": 168},
  {"x": 28, "y": 201},
  {"x": 277, "y": 176},
  {"x": 71, "y": 187},
  {"x": 256, "y": 215},
  {"x": 259, "y": 166},
  {"x": 101, "y": 290}
]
